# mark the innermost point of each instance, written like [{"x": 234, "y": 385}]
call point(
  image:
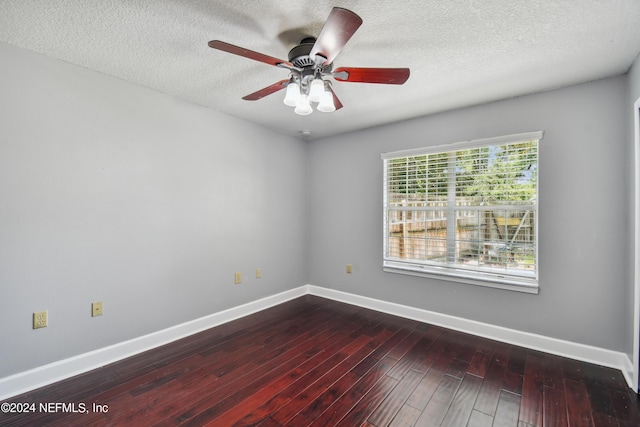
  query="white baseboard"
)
[
  {"x": 47, "y": 374},
  {"x": 585, "y": 353},
  {"x": 56, "y": 371}
]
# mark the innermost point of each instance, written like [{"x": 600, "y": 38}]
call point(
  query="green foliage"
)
[
  {"x": 495, "y": 174},
  {"x": 506, "y": 173}
]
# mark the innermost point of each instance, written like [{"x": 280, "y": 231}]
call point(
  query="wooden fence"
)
[{"x": 482, "y": 236}]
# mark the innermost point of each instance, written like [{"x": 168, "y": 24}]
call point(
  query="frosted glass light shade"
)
[
  {"x": 316, "y": 90},
  {"x": 303, "y": 107},
  {"x": 326, "y": 102},
  {"x": 293, "y": 94}
]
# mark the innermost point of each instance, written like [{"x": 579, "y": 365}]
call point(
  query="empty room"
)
[{"x": 314, "y": 213}]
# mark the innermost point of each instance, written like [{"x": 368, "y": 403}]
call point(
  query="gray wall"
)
[
  {"x": 113, "y": 192},
  {"x": 583, "y": 243},
  {"x": 634, "y": 80},
  {"x": 633, "y": 77}
]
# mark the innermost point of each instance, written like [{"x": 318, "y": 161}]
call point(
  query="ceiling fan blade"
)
[
  {"x": 266, "y": 91},
  {"x": 336, "y": 101},
  {"x": 389, "y": 76},
  {"x": 336, "y": 32},
  {"x": 240, "y": 51}
]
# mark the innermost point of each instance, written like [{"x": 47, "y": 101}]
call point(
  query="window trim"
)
[{"x": 489, "y": 279}]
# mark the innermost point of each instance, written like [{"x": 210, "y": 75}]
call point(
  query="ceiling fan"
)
[{"x": 311, "y": 65}]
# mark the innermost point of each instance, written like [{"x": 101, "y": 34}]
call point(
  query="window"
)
[{"x": 466, "y": 212}]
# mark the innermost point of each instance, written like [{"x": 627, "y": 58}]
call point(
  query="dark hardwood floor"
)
[{"x": 317, "y": 362}]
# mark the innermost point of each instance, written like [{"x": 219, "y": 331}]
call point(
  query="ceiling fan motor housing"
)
[{"x": 299, "y": 56}]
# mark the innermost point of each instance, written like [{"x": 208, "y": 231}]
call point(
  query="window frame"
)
[{"x": 453, "y": 272}]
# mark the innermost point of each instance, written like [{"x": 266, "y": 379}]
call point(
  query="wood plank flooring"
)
[{"x": 317, "y": 362}]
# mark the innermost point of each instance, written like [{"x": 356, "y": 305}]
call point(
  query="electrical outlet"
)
[
  {"x": 96, "y": 309},
  {"x": 238, "y": 278},
  {"x": 258, "y": 273},
  {"x": 349, "y": 268},
  {"x": 40, "y": 319}
]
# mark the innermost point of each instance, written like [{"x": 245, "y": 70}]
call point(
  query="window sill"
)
[{"x": 511, "y": 284}]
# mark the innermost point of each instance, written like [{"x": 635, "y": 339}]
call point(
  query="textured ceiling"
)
[{"x": 460, "y": 52}]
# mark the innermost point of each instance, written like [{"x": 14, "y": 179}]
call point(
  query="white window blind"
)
[{"x": 467, "y": 211}]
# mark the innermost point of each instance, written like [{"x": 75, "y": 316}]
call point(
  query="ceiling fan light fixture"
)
[
  {"x": 303, "y": 107},
  {"x": 326, "y": 104},
  {"x": 292, "y": 97},
  {"x": 316, "y": 90}
]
